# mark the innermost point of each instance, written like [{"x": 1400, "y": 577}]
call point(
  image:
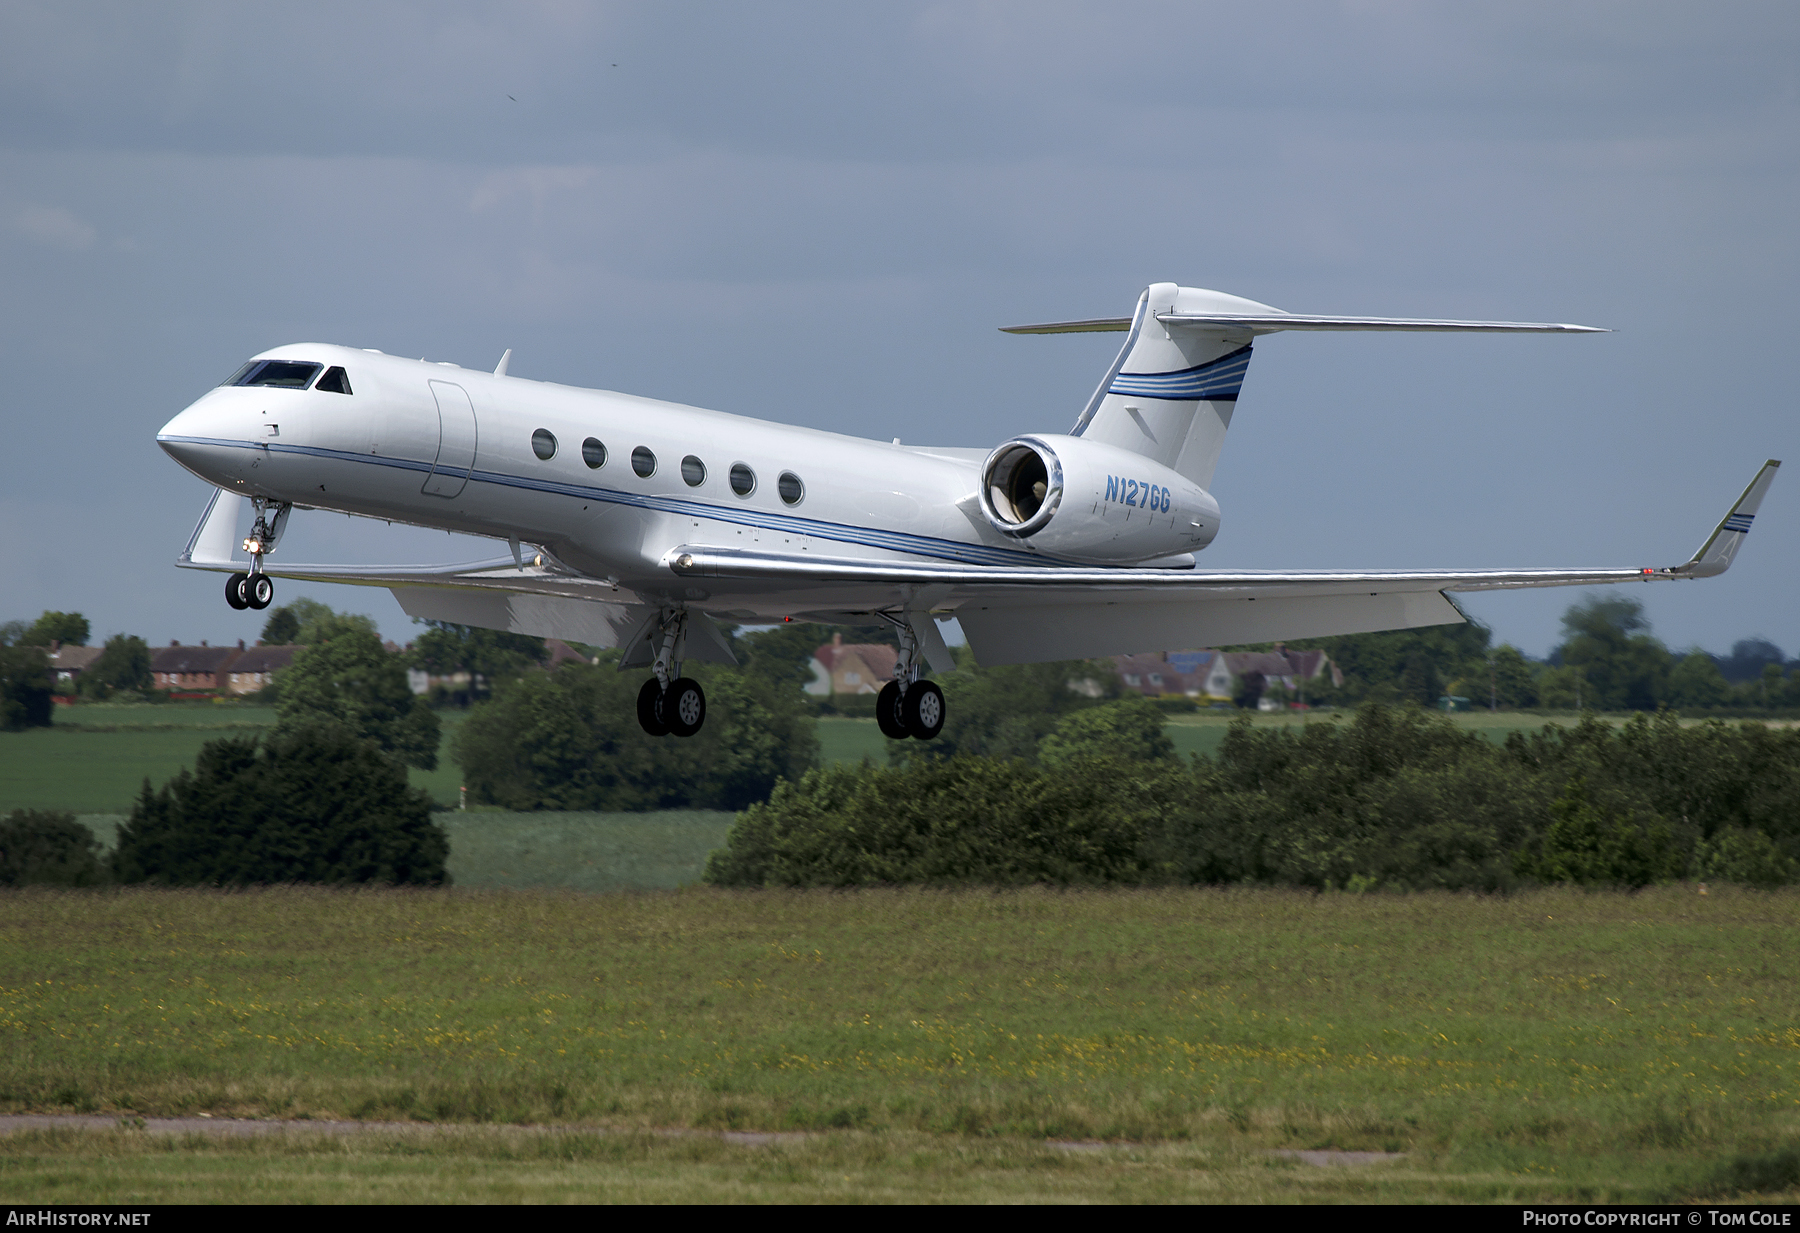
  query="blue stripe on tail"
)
[{"x": 1214, "y": 381}]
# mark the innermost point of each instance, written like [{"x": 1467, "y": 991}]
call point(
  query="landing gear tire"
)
[
  {"x": 684, "y": 706},
  {"x": 923, "y": 710},
  {"x": 651, "y": 709},
  {"x": 235, "y": 592},
  {"x": 887, "y": 713},
  {"x": 260, "y": 591}
]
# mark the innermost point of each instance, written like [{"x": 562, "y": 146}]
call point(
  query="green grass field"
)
[
  {"x": 592, "y": 852},
  {"x": 1550, "y": 1045},
  {"x": 95, "y": 757}
]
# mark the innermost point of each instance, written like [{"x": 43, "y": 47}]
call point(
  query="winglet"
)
[
  {"x": 1714, "y": 556},
  {"x": 500, "y": 368}
]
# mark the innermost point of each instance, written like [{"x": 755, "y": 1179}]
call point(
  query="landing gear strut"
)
[
  {"x": 669, "y": 703},
  {"x": 256, "y": 589},
  {"x": 907, "y": 705}
]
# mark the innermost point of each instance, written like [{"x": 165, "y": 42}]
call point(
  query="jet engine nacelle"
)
[{"x": 1067, "y": 497}]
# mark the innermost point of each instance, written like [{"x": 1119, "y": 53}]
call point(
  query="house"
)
[
  {"x": 255, "y": 668},
  {"x": 1221, "y": 674},
  {"x": 68, "y": 662},
  {"x": 857, "y": 668},
  {"x": 191, "y": 667}
]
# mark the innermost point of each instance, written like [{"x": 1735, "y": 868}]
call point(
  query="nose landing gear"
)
[
  {"x": 669, "y": 703},
  {"x": 249, "y": 591},
  {"x": 256, "y": 589}
]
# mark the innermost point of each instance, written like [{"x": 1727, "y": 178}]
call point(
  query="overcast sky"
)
[{"x": 820, "y": 212}]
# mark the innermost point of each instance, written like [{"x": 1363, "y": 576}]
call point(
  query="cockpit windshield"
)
[{"x": 283, "y": 374}]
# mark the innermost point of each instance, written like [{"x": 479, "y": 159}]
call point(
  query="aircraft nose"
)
[{"x": 204, "y": 440}]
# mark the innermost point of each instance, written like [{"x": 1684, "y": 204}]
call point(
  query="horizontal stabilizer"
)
[
  {"x": 1269, "y": 323},
  {"x": 1273, "y": 322},
  {"x": 1097, "y": 325}
]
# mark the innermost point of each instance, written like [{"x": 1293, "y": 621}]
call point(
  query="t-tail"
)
[{"x": 1171, "y": 392}]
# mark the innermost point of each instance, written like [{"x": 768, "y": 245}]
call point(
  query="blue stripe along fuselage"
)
[
  {"x": 872, "y": 537},
  {"x": 1215, "y": 381}
]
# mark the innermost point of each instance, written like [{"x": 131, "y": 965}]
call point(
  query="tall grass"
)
[{"x": 1554, "y": 1043}]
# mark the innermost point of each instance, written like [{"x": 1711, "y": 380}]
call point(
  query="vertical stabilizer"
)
[{"x": 1170, "y": 394}]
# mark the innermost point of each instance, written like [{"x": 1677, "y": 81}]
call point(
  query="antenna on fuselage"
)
[{"x": 500, "y": 368}]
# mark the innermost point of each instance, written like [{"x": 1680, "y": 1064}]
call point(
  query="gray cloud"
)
[
  {"x": 56, "y": 227},
  {"x": 819, "y": 213}
]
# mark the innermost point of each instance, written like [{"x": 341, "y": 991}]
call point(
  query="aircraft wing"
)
[{"x": 1026, "y": 615}]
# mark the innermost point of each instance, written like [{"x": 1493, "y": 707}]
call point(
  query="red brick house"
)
[
  {"x": 200, "y": 667},
  {"x": 255, "y": 668}
]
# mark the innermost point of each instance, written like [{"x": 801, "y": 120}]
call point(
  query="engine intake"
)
[
  {"x": 1021, "y": 486},
  {"x": 1085, "y": 501}
]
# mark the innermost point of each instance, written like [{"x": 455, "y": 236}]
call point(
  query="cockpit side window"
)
[
  {"x": 335, "y": 381},
  {"x": 240, "y": 374},
  {"x": 282, "y": 374}
]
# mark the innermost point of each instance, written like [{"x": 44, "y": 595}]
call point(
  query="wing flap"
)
[{"x": 1003, "y": 633}]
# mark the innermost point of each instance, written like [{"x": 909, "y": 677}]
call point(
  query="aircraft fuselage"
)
[{"x": 610, "y": 483}]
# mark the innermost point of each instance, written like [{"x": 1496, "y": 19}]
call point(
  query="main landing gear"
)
[
  {"x": 669, "y": 703},
  {"x": 907, "y": 705},
  {"x": 256, "y": 589}
]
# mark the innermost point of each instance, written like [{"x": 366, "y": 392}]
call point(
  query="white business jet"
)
[{"x": 638, "y": 524}]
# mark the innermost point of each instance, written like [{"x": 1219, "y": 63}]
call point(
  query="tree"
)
[
  {"x": 316, "y": 622},
  {"x": 1619, "y": 667},
  {"x": 47, "y": 848},
  {"x": 313, "y": 803},
  {"x": 68, "y": 628},
  {"x": 486, "y": 655},
  {"x": 349, "y": 678},
  {"x": 1405, "y": 664},
  {"x": 24, "y": 688},
  {"x": 1588, "y": 844},
  {"x": 282, "y": 628},
  {"x": 124, "y": 665},
  {"x": 1129, "y": 729},
  {"x": 1748, "y": 658},
  {"x": 1749, "y": 858},
  {"x": 1696, "y": 682},
  {"x": 1507, "y": 681},
  {"x": 954, "y": 820},
  {"x": 1004, "y": 712},
  {"x": 570, "y": 739}
]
